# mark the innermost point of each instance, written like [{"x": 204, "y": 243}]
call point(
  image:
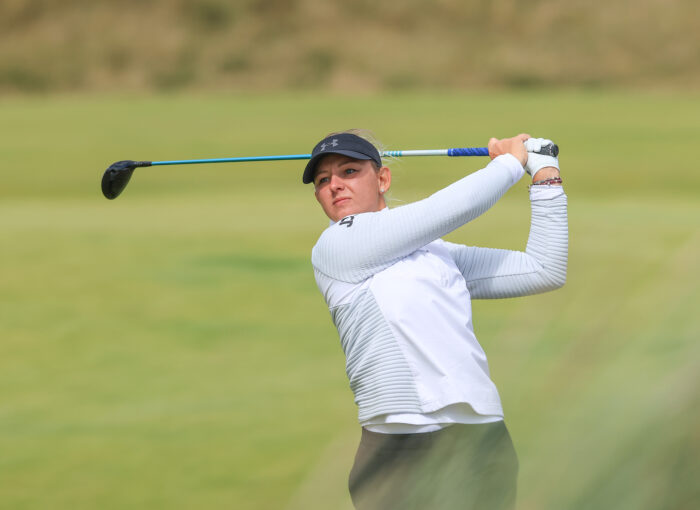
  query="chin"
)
[{"x": 339, "y": 214}]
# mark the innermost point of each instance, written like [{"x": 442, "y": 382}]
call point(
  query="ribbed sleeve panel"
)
[
  {"x": 492, "y": 273},
  {"x": 353, "y": 251},
  {"x": 380, "y": 377}
]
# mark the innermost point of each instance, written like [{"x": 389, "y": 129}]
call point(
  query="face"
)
[{"x": 345, "y": 186}]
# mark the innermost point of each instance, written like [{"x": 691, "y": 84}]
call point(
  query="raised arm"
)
[
  {"x": 492, "y": 273},
  {"x": 359, "y": 246}
]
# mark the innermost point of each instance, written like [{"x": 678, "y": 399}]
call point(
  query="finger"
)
[
  {"x": 533, "y": 144},
  {"x": 492, "y": 147},
  {"x": 523, "y": 136}
]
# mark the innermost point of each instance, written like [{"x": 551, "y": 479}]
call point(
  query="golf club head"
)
[{"x": 117, "y": 176}]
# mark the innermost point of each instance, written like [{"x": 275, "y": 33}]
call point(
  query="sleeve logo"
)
[{"x": 347, "y": 221}]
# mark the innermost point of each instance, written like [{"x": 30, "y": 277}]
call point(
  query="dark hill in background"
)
[{"x": 359, "y": 45}]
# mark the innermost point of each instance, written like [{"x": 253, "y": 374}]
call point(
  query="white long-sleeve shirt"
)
[{"x": 400, "y": 297}]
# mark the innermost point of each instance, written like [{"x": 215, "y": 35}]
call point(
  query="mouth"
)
[{"x": 340, "y": 200}]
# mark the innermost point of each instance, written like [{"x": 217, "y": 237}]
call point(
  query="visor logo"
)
[{"x": 332, "y": 143}]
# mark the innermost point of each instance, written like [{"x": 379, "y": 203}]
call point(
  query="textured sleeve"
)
[
  {"x": 361, "y": 245},
  {"x": 492, "y": 273}
]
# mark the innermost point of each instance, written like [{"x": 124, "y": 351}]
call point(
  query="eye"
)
[
  {"x": 349, "y": 171},
  {"x": 322, "y": 180}
]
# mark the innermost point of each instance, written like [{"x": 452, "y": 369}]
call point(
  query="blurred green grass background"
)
[{"x": 169, "y": 349}]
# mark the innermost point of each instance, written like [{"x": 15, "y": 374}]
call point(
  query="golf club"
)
[{"x": 117, "y": 176}]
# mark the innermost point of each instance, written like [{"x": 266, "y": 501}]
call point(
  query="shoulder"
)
[
  {"x": 334, "y": 241},
  {"x": 352, "y": 250},
  {"x": 350, "y": 229}
]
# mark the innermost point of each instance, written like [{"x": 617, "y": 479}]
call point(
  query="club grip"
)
[{"x": 468, "y": 151}]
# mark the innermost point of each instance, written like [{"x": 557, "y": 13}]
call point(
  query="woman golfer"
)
[{"x": 433, "y": 435}]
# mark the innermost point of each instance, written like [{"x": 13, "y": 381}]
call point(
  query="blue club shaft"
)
[
  {"x": 232, "y": 160},
  {"x": 466, "y": 151}
]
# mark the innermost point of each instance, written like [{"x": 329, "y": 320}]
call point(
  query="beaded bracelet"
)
[{"x": 553, "y": 180}]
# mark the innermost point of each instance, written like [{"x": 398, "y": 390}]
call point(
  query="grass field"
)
[{"x": 170, "y": 349}]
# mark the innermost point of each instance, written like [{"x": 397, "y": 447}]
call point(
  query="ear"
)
[{"x": 384, "y": 176}]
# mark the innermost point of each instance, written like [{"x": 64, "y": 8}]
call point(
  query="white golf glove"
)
[{"x": 540, "y": 153}]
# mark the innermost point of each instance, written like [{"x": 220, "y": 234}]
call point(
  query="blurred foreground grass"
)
[{"x": 170, "y": 350}]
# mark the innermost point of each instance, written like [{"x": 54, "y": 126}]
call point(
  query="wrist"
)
[
  {"x": 513, "y": 165},
  {"x": 547, "y": 172}
]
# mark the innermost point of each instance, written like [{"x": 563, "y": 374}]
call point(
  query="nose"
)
[{"x": 336, "y": 182}]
